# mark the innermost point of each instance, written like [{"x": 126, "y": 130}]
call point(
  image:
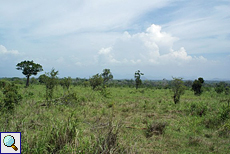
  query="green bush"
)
[
  {"x": 11, "y": 97},
  {"x": 197, "y": 85},
  {"x": 224, "y": 113},
  {"x": 96, "y": 81}
]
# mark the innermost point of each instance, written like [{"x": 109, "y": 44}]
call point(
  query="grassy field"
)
[{"x": 120, "y": 120}]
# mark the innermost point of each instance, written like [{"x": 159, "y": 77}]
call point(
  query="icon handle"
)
[{"x": 14, "y": 147}]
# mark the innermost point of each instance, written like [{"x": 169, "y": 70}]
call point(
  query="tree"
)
[
  {"x": 96, "y": 81},
  {"x": 137, "y": 76},
  {"x": 196, "y": 86},
  {"x": 42, "y": 78},
  {"x": 66, "y": 82},
  {"x": 178, "y": 89},
  {"x": 51, "y": 81},
  {"x": 107, "y": 75},
  {"x": 29, "y": 68}
]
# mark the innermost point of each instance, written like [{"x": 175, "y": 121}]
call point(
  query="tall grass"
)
[{"x": 128, "y": 121}]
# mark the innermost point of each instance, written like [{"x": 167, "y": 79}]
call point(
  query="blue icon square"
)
[{"x": 10, "y": 142}]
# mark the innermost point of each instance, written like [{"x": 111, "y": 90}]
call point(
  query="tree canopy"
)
[{"x": 29, "y": 68}]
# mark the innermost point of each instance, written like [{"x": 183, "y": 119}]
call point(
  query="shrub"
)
[
  {"x": 156, "y": 128},
  {"x": 196, "y": 86},
  {"x": 96, "y": 81},
  {"x": 11, "y": 97},
  {"x": 66, "y": 82},
  {"x": 224, "y": 113},
  {"x": 178, "y": 89},
  {"x": 222, "y": 87},
  {"x": 50, "y": 82}
]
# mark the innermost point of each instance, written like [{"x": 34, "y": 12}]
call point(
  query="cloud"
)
[
  {"x": 86, "y": 37},
  {"x": 3, "y": 50},
  {"x": 72, "y": 17},
  {"x": 201, "y": 28},
  {"x": 152, "y": 47}
]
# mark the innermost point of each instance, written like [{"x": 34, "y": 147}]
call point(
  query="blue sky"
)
[{"x": 162, "y": 38}]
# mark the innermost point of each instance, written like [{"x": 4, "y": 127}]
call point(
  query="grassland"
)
[{"x": 121, "y": 120}]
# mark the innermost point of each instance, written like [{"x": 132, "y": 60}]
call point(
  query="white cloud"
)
[
  {"x": 3, "y": 50},
  {"x": 150, "y": 47},
  {"x": 105, "y": 51},
  {"x": 201, "y": 28},
  {"x": 74, "y": 16}
]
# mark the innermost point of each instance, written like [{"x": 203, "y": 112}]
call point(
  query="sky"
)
[{"x": 161, "y": 38}]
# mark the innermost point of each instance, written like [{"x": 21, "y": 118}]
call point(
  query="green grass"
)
[{"x": 85, "y": 121}]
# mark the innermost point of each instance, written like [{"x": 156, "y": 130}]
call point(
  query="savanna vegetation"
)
[{"x": 103, "y": 115}]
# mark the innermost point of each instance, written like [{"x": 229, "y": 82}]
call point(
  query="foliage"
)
[
  {"x": 198, "y": 109},
  {"x": 33, "y": 80},
  {"x": 95, "y": 81},
  {"x": 51, "y": 81},
  {"x": 42, "y": 78},
  {"x": 137, "y": 77},
  {"x": 222, "y": 87},
  {"x": 29, "y": 68},
  {"x": 86, "y": 84},
  {"x": 3, "y": 83},
  {"x": 178, "y": 89},
  {"x": 106, "y": 75},
  {"x": 188, "y": 84},
  {"x": 11, "y": 97},
  {"x": 224, "y": 113},
  {"x": 66, "y": 82},
  {"x": 71, "y": 126},
  {"x": 156, "y": 128},
  {"x": 196, "y": 86}
]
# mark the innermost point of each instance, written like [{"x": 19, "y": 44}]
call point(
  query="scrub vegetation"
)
[{"x": 114, "y": 116}]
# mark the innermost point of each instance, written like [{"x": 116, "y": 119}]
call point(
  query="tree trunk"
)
[{"x": 27, "y": 81}]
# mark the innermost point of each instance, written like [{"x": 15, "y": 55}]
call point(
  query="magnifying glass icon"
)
[{"x": 9, "y": 141}]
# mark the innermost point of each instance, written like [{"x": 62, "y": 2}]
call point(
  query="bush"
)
[
  {"x": 222, "y": 87},
  {"x": 66, "y": 82},
  {"x": 196, "y": 86},
  {"x": 50, "y": 81},
  {"x": 178, "y": 89},
  {"x": 96, "y": 81},
  {"x": 224, "y": 113},
  {"x": 156, "y": 128},
  {"x": 11, "y": 97}
]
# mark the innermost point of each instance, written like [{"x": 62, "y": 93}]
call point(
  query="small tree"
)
[
  {"x": 66, "y": 82},
  {"x": 178, "y": 89},
  {"x": 96, "y": 81},
  {"x": 42, "y": 78},
  {"x": 107, "y": 75},
  {"x": 29, "y": 68},
  {"x": 51, "y": 81},
  {"x": 196, "y": 86},
  {"x": 137, "y": 76}
]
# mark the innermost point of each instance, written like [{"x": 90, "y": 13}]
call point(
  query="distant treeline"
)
[{"x": 159, "y": 84}]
